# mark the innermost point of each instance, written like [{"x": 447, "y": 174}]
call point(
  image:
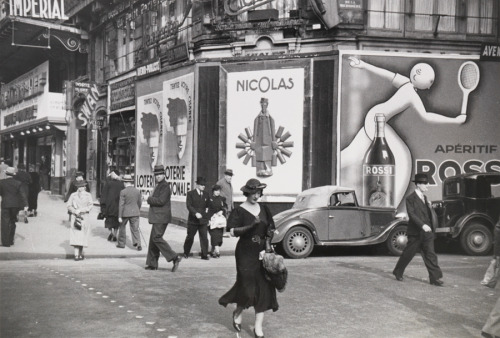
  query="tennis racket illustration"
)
[{"x": 468, "y": 79}]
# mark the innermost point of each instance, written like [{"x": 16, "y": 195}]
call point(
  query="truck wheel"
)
[
  {"x": 476, "y": 239},
  {"x": 396, "y": 242},
  {"x": 298, "y": 242}
]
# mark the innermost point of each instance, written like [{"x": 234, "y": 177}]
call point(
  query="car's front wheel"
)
[
  {"x": 298, "y": 242},
  {"x": 476, "y": 239},
  {"x": 397, "y": 240}
]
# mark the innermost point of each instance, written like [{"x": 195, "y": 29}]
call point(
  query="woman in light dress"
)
[{"x": 79, "y": 205}]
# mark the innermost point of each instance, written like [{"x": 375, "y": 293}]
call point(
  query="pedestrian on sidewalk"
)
[
  {"x": 253, "y": 223},
  {"x": 129, "y": 210},
  {"x": 110, "y": 198},
  {"x": 13, "y": 200},
  {"x": 44, "y": 171},
  {"x": 23, "y": 177},
  {"x": 227, "y": 189},
  {"x": 217, "y": 211},
  {"x": 79, "y": 176},
  {"x": 79, "y": 204},
  {"x": 34, "y": 189},
  {"x": 160, "y": 214},
  {"x": 197, "y": 205},
  {"x": 421, "y": 226}
]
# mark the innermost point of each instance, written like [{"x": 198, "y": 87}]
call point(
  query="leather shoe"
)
[
  {"x": 398, "y": 277},
  {"x": 120, "y": 247},
  {"x": 149, "y": 267},
  {"x": 257, "y": 336},
  {"x": 139, "y": 248},
  {"x": 236, "y": 326},
  {"x": 206, "y": 258},
  {"x": 110, "y": 237},
  {"x": 177, "y": 260},
  {"x": 437, "y": 282},
  {"x": 186, "y": 256}
]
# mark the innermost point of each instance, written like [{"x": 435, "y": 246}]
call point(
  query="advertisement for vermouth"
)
[
  {"x": 165, "y": 134},
  {"x": 264, "y": 128},
  {"x": 401, "y": 114}
]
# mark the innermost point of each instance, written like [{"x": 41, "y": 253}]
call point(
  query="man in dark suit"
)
[
  {"x": 13, "y": 199},
  {"x": 421, "y": 226},
  {"x": 197, "y": 205},
  {"x": 23, "y": 177},
  {"x": 110, "y": 198},
  {"x": 160, "y": 215}
]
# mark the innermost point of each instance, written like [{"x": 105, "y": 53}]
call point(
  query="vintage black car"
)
[
  {"x": 469, "y": 210},
  {"x": 330, "y": 215}
]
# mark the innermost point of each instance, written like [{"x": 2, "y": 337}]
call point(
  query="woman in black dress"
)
[
  {"x": 33, "y": 190},
  {"x": 216, "y": 205},
  {"x": 253, "y": 223}
]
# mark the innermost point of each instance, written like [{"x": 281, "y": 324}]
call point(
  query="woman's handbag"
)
[
  {"x": 275, "y": 270},
  {"x": 217, "y": 221},
  {"x": 78, "y": 222},
  {"x": 492, "y": 273}
]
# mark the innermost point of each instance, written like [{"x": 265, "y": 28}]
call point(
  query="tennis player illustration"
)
[{"x": 405, "y": 98}]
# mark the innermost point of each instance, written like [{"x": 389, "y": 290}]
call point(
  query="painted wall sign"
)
[
  {"x": 23, "y": 115},
  {"x": 264, "y": 128},
  {"x": 148, "y": 69},
  {"x": 260, "y": 26},
  {"x": 490, "y": 52},
  {"x": 122, "y": 93},
  {"x": 43, "y": 9},
  {"x": 441, "y": 115}
]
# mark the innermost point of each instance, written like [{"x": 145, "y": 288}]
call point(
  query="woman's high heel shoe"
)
[
  {"x": 257, "y": 336},
  {"x": 236, "y": 326}
]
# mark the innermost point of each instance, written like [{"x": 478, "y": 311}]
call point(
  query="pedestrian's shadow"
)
[{"x": 68, "y": 248}]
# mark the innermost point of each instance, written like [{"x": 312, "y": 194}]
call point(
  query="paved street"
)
[{"x": 334, "y": 293}]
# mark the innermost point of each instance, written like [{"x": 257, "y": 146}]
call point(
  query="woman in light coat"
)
[{"x": 79, "y": 205}]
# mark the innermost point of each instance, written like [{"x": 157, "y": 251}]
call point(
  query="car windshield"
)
[{"x": 482, "y": 187}]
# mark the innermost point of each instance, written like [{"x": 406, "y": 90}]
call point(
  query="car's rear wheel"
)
[
  {"x": 397, "y": 240},
  {"x": 298, "y": 242},
  {"x": 476, "y": 239}
]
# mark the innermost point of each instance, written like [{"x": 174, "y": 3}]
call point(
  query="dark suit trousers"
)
[
  {"x": 192, "y": 229},
  {"x": 424, "y": 242},
  {"x": 8, "y": 217},
  {"x": 157, "y": 244}
]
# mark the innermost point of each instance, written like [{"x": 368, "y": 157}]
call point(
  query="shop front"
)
[{"x": 33, "y": 126}]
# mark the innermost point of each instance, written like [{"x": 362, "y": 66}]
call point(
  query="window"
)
[
  {"x": 479, "y": 16},
  {"x": 342, "y": 199},
  {"x": 384, "y": 14},
  {"x": 428, "y": 13}
]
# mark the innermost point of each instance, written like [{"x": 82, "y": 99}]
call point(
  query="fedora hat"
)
[
  {"x": 127, "y": 178},
  {"x": 80, "y": 184},
  {"x": 201, "y": 180},
  {"x": 252, "y": 186},
  {"x": 421, "y": 179},
  {"x": 159, "y": 169},
  {"x": 11, "y": 171},
  {"x": 229, "y": 172}
]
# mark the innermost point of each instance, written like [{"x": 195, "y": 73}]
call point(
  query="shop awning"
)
[{"x": 34, "y": 127}]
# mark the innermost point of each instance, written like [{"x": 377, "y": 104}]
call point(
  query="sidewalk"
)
[{"x": 47, "y": 236}]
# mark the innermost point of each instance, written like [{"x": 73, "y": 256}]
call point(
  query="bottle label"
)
[{"x": 378, "y": 185}]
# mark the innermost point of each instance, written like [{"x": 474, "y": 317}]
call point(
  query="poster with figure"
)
[
  {"x": 264, "y": 128},
  {"x": 149, "y": 131},
  {"x": 437, "y": 115},
  {"x": 178, "y": 134}
]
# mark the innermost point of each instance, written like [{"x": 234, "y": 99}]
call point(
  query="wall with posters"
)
[
  {"x": 165, "y": 133},
  {"x": 441, "y": 117}
]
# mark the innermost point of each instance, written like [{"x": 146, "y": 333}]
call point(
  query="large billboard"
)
[
  {"x": 265, "y": 111},
  {"x": 438, "y": 114},
  {"x": 165, "y": 136}
]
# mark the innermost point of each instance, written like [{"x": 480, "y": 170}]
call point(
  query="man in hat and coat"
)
[
  {"x": 160, "y": 214},
  {"x": 109, "y": 203},
  {"x": 129, "y": 210},
  {"x": 226, "y": 189},
  {"x": 197, "y": 205},
  {"x": 421, "y": 227},
  {"x": 13, "y": 199},
  {"x": 23, "y": 177}
]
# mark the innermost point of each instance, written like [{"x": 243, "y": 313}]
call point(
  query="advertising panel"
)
[
  {"x": 432, "y": 114},
  {"x": 264, "y": 128},
  {"x": 165, "y": 136}
]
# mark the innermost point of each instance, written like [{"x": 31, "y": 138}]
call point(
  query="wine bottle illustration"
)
[{"x": 379, "y": 170}]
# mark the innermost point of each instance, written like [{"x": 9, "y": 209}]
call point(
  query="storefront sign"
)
[
  {"x": 237, "y": 7},
  {"x": 351, "y": 11},
  {"x": 43, "y": 9},
  {"x": 150, "y": 68},
  {"x": 427, "y": 128},
  {"x": 259, "y": 26},
  {"x": 122, "y": 94},
  {"x": 23, "y": 115},
  {"x": 490, "y": 52},
  {"x": 177, "y": 53},
  {"x": 24, "y": 87},
  {"x": 89, "y": 92},
  {"x": 165, "y": 136},
  {"x": 265, "y": 111}
]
